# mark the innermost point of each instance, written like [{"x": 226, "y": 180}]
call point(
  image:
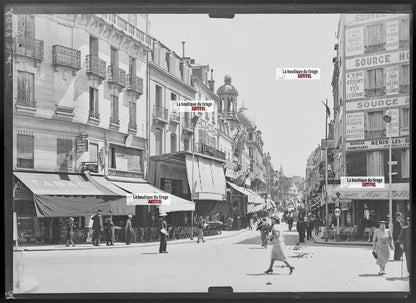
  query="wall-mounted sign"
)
[
  {"x": 395, "y": 129},
  {"x": 392, "y": 35},
  {"x": 229, "y": 173},
  {"x": 392, "y": 80},
  {"x": 82, "y": 143},
  {"x": 354, "y": 85},
  {"x": 378, "y": 60},
  {"x": 354, "y": 41},
  {"x": 355, "y": 19},
  {"x": 355, "y": 126},
  {"x": 378, "y": 103},
  {"x": 377, "y": 144}
]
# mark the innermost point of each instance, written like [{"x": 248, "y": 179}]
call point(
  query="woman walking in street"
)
[
  {"x": 382, "y": 242},
  {"x": 201, "y": 225},
  {"x": 278, "y": 248}
]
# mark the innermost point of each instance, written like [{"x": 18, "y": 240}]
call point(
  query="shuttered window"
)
[
  {"x": 404, "y": 121},
  {"x": 64, "y": 153},
  {"x": 132, "y": 114},
  {"x": 405, "y": 163},
  {"x": 158, "y": 141},
  {"x": 25, "y": 151},
  {"x": 375, "y": 124},
  {"x": 26, "y": 26},
  {"x": 93, "y": 46},
  {"x": 374, "y": 82},
  {"x": 25, "y": 89},
  {"x": 404, "y": 31},
  {"x": 132, "y": 66},
  {"x": 93, "y": 151},
  {"x": 114, "y": 57},
  {"x": 114, "y": 109},
  {"x": 375, "y": 38},
  {"x": 127, "y": 159},
  {"x": 375, "y": 163},
  {"x": 173, "y": 143},
  {"x": 94, "y": 105}
]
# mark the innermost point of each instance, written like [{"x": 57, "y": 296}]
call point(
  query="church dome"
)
[
  {"x": 227, "y": 88},
  {"x": 244, "y": 117}
]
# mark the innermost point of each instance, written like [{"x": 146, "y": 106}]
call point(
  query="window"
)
[
  {"x": 375, "y": 124},
  {"x": 405, "y": 163},
  {"x": 404, "y": 121},
  {"x": 26, "y": 25},
  {"x": 112, "y": 157},
  {"x": 25, "y": 151},
  {"x": 159, "y": 100},
  {"x": 132, "y": 114},
  {"x": 375, "y": 163},
  {"x": 186, "y": 143},
  {"x": 250, "y": 136},
  {"x": 250, "y": 152},
  {"x": 374, "y": 82},
  {"x": 93, "y": 151},
  {"x": 404, "y": 33},
  {"x": 173, "y": 143},
  {"x": 375, "y": 38},
  {"x": 93, "y": 46},
  {"x": 404, "y": 79},
  {"x": 356, "y": 164},
  {"x": 156, "y": 53},
  {"x": 158, "y": 142},
  {"x": 114, "y": 57},
  {"x": 25, "y": 89},
  {"x": 132, "y": 66},
  {"x": 64, "y": 151},
  {"x": 114, "y": 110},
  {"x": 94, "y": 110},
  {"x": 127, "y": 159}
]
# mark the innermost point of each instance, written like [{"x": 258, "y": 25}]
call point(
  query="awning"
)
[
  {"x": 64, "y": 195},
  {"x": 399, "y": 191},
  {"x": 254, "y": 198},
  {"x": 208, "y": 176},
  {"x": 240, "y": 189},
  {"x": 177, "y": 203},
  {"x": 253, "y": 208}
]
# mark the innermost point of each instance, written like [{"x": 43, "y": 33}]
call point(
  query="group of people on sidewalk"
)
[{"x": 108, "y": 229}]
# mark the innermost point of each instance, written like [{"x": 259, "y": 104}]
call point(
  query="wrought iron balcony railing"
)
[
  {"x": 116, "y": 76},
  {"x": 28, "y": 47},
  {"x": 187, "y": 125},
  {"x": 174, "y": 118},
  {"x": 96, "y": 66},
  {"x": 135, "y": 84},
  {"x": 160, "y": 113},
  {"x": 66, "y": 56}
]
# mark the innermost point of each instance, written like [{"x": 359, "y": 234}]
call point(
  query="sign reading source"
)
[
  {"x": 378, "y": 60},
  {"x": 149, "y": 199},
  {"x": 362, "y": 182},
  {"x": 378, "y": 103}
]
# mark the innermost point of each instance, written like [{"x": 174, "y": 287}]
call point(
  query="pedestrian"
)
[
  {"x": 238, "y": 223},
  {"x": 290, "y": 221},
  {"x": 278, "y": 247},
  {"x": 316, "y": 221},
  {"x": 382, "y": 241},
  {"x": 404, "y": 240},
  {"x": 301, "y": 227},
  {"x": 109, "y": 232},
  {"x": 129, "y": 230},
  {"x": 201, "y": 225},
  {"x": 251, "y": 222},
  {"x": 309, "y": 226},
  {"x": 56, "y": 231},
  {"x": 70, "y": 232},
  {"x": 97, "y": 227},
  {"x": 264, "y": 228},
  {"x": 322, "y": 228},
  {"x": 397, "y": 229},
  {"x": 163, "y": 231}
]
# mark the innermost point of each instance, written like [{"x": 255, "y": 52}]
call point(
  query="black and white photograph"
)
[{"x": 205, "y": 150}]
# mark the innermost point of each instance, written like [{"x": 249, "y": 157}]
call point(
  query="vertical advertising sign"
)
[
  {"x": 394, "y": 124},
  {"x": 354, "y": 85},
  {"x": 392, "y": 35},
  {"x": 355, "y": 126},
  {"x": 392, "y": 80},
  {"x": 354, "y": 41}
]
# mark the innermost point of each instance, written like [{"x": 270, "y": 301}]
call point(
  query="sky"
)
[{"x": 249, "y": 48}]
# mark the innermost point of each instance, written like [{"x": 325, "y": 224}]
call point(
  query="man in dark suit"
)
[
  {"x": 97, "y": 227},
  {"x": 109, "y": 232},
  {"x": 163, "y": 227},
  {"x": 404, "y": 240},
  {"x": 301, "y": 227},
  {"x": 397, "y": 228}
]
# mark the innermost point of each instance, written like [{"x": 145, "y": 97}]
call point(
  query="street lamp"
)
[
  {"x": 193, "y": 120},
  {"x": 387, "y": 118}
]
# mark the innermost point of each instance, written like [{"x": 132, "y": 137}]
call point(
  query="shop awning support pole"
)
[
  {"x": 390, "y": 184},
  {"x": 326, "y": 175}
]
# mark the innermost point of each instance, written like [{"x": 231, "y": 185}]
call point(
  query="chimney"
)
[
  {"x": 183, "y": 49},
  {"x": 211, "y": 82}
]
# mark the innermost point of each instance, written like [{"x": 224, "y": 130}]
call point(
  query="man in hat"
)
[
  {"x": 301, "y": 227},
  {"x": 109, "y": 232},
  {"x": 404, "y": 241},
  {"x": 70, "y": 232},
  {"x": 397, "y": 229},
  {"x": 163, "y": 230},
  {"x": 97, "y": 227},
  {"x": 129, "y": 230}
]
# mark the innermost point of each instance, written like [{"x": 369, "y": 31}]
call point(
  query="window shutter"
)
[{"x": 25, "y": 145}]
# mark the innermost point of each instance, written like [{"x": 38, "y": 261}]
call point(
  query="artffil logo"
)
[{"x": 362, "y": 182}]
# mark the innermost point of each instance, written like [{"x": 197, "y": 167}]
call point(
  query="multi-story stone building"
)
[{"x": 371, "y": 77}]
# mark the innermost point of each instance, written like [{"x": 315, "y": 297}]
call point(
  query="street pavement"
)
[{"x": 237, "y": 261}]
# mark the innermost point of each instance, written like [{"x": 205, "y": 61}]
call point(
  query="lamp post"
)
[
  {"x": 193, "y": 120},
  {"x": 387, "y": 118}
]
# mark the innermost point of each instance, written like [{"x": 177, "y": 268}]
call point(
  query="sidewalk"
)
[
  {"x": 318, "y": 240},
  {"x": 85, "y": 246}
]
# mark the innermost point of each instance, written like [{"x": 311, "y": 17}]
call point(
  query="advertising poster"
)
[
  {"x": 354, "y": 41},
  {"x": 394, "y": 124},
  {"x": 392, "y": 80},
  {"x": 392, "y": 35},
  {"x": 354, "y": 85},
  {"x": 355, "y": 126}
]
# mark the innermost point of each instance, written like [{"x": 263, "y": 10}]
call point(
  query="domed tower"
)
[{"x": 228, "y": 102}]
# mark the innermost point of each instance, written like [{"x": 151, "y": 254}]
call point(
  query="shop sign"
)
[
  {"x": 345, "y": 206},
  {"x": 354, "y": 41},
  {"x": 378, "y": 60},
  {"x": 394, "y": 128},
  {"x": 355, "y": 85},
  {"x": 230, "y": 173},
  {"x": 377, "y": 194},
  {"x": 355, "y": 19},
  {"x": 392, "y": 35},
  {"x": 378, "y": 144},
  {"x": 82, "y": 144},
  {"x": 355, "y": 126},
  {"x": 378, "y": 103},
  {"x": 392, "y": 80}
]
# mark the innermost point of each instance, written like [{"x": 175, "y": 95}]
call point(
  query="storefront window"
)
[{"x": 25, "y": 150}]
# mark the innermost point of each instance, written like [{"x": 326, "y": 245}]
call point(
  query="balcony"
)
[
  {"x": 160, "y": 114},
  {"x": 28, "y": 47},
  {"x": 373, "y": 92},
  {"x": 187, "y": 126},
  {"x": 116, "y": 76},
  {"x": 65, "y": 56},
  {"x": 25, "y": 106},
  {"x": 94, "y": 117},
  {"x": 64, "y": 111},
  {"x": 374, "y": 134},
  {"x": 135, "y": 84},
  {"x": 175, "y": 119},
  {"x": 95, "y": 67}
]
